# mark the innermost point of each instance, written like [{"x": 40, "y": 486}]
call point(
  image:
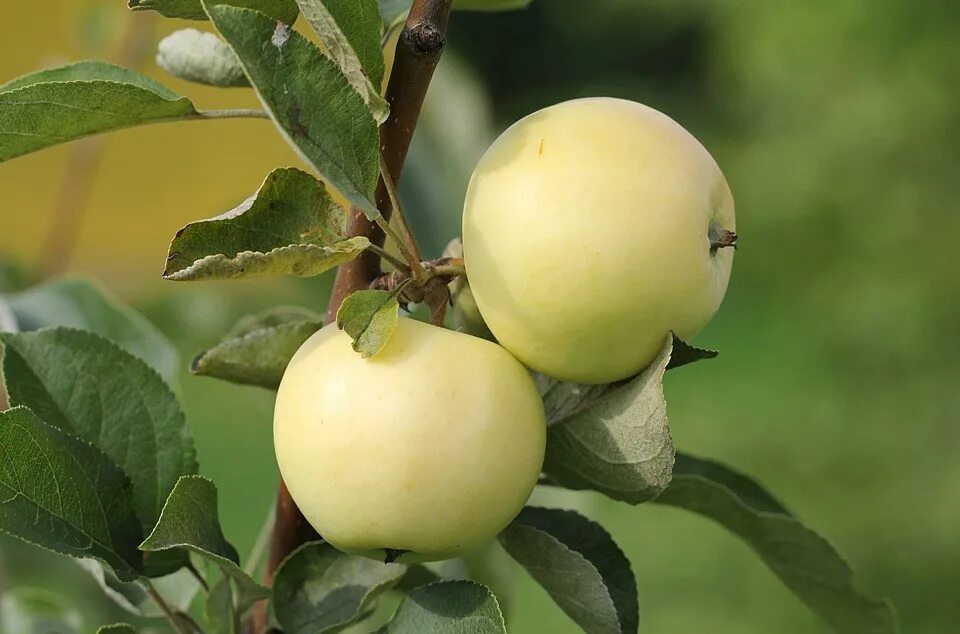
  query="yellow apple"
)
[
  {"x": 429, "y": 449},
  {"x": 591, "y": 229}
]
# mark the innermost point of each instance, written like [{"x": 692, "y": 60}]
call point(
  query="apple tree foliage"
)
[{"x": 97, "y": 459}]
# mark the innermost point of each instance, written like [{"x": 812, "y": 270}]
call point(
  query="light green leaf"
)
[
  {"x": 803, "y": 560},
  {"x": 84, "y": 304},
  {"x": 283, "y": 10},
  {"x": 451, "y": 607},
  {"x": 617, "y": 443},
  {"x": 309, "y": 98},
  {"x": 369, "y": 317},
  {"x": 190, "y": 521},
  {"x": 579, "y": 565},
  {"x": 67, "y": 103},
  {"x": 350, "y": 32},
  {"x": 219, "y": 608},
  {"x": 200, "y": 57},
  {"x": 61, "y": 493},
  {"x": 320, "y": 589},
  {"x": 291, "y": 226},
  {"x": 259, "y": 348},
  {"x": 87, "y": 386}
]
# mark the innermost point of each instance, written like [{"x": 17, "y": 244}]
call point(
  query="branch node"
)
[{"x": 424, "y": 39}]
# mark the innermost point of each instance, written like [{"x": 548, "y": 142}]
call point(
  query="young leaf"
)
[
  {"x": 62, "y": 493},
  {"x": 62, "y": 104},
  {"x": 83, "y": 304},
  {"x": 291, "y": 226},
  {"x": 579, "y": 565},
  {"x": 618, "y": 444},
  {"x": 369, "y": 317},
  {"x": 190, "y": 521},
  {"x": 454, "y": 607},
  {"x": 683, "y": 353},
  {"x": 320, "y": 589},
  {"x": 350, "y": 31},
  {"x": 87, "y": 386},
  {"x": 219, "y": 608},
  {"x": 803, "y": 560},
  {"x": 284, "y": 10},
  {"x": 311, "y": 101},
  {"x": 200, "y": 57}
]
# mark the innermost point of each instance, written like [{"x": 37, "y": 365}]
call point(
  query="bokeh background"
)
[{"x": 838, "y": 384}]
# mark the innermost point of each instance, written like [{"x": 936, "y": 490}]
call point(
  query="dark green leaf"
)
[
  {"x": 579, "y": 565},
  {"x": 450, "y": 607},
  {"x": 291, "y": 226},
  {"x": 683, "y": 353},
  {"x": 309, "y": 98},
  {"x": 64, "y": 494},
  {"x": 618, "y": 442},
  {"x": 87, "y": 386},
  {"x": 200, "y": 57},
  {"x": 350, "y": 32},
  {"x": 117, "y": 628},
  {"x": 62, "y": 104},
  {"x": 416, "y": 575},
  {"x": 190, "y": 521},
  {"x": 219, "y": 608},
  {"x": 320, "y": 589},
  {"x": 369, "y": 317},
  {"x": 83, "y": 304},
  {"x": 803, "y": 560},
  {"x": 283, "y": 10}
]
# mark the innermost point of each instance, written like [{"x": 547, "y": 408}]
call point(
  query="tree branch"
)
[{"x": 418, "y": 51}]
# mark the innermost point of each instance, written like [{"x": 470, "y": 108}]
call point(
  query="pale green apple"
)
[
  {"x": 591, "y": 229},
  {"x": 429, "y": 449}
]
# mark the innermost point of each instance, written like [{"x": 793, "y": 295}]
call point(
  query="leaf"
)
[
  {"x": 618, "y": 443},
  {"x": 219, "y": 608},
  {"x": 311, "y": 101},
  {"x": 190, "y": 521},
  {"x": 392, "y": 12},
  {"x": 369, "y": 317},
  {"x": 67, "y": 103},
  {"x": 85, "y": 385},
  {"x": 61, "y": 493},
  {"x": 283, "y": 10},
  {"x": 200, "y": 57},
  {"x": 350, "y": 32},
  {"x": 270, "y": 318},
  {"x": 451, "y": 607},
  {"x": 291, "y": 226},
  {"x": 37, "y": 611},
  {"x": 803, "y": 560},
  {"x": 579, "y": 565},
  {"x": 258, "y": 351},
  {"x": 683, "y": 353},
  {"x": 117, "y": 628},
  {"x": 320, "y": 589},
  {"x": 84, "y": 304},
  {"x": 178, "y": 589}
]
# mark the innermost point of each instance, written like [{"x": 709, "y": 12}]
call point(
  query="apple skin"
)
[
  {"x": 585, "y": 238},
  {"x": 432, "y": 446}
]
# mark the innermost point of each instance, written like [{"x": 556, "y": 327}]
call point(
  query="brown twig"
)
[{"x": 418, "y": 51}]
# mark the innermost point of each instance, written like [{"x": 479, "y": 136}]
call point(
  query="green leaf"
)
[
  {"x": 117, "y": 628},
  {"x": 37, "y": 611},
  {"x": 283, "y": 10},
  {"x": 310, "y": 100},
  {"x": 219, "y": 608},
  {"x": 617, "y": 442},
  {"x": 85, "y": 385},
  {"x": 369, "y": 317},
  {"x": 61, "y": 493},
  {"x": 803, "y": 560},
  {"x": 258, "y": 350},
  {"x": 202, "y": 58},
  {"x": 178, "y": 589},
  {"x": 320, "y": 589},
  {"x": 270, "y": 318},
  {"x": 350, "y": 32},
  {"x": 291, "y": 226},
  {"x": 190, "y": 521},
  {"x": 579, "y": 565},
  {"x": 67, "y": 103},
  {"x": 683, "y": 353},
  {"x": 83, "y": 304},
  {"x": 451, "y": 607}
]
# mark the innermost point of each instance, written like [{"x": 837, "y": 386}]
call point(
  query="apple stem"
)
[{"x": 721, "y": 238}]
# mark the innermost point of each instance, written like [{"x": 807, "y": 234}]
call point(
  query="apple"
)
[
  {"x": 591, "y": 229},
  {"x": 423, "y": 452}
]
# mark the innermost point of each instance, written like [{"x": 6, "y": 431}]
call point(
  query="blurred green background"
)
[{"x": 838, "y": 385}]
